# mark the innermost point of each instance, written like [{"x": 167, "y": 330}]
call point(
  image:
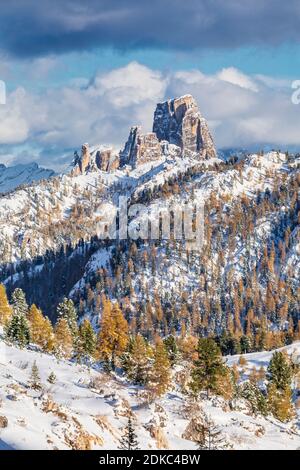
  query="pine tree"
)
[
  {"x": 256, "y": 399},
  {"x": 172, "y": 349},
  {"x": 67, "y": 310},
  {"x": 207, "y": 368},
  {"x": 5, "y": 309},
  {"x": 136, "y": 361},
  {"x": 35, "y": 381},
  {"x": 18, "y": 302},
  {"x": 129, "y": 437},
  {"x": 160, "y": 376},
  {"x": 245, "y": 343},
  {"x": 279, "y": 375},
  {"x": 17, "y": 329},
  {"x": 87, "y": 339},
  {"x": 63, "y": 339},
  {"x": 279, "y": 371}
]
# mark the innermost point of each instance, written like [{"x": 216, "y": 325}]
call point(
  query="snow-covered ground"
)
[{"x": 73, "y": 414}]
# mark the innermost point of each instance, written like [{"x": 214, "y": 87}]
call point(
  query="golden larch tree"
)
[{"x": 5, "y": 309}]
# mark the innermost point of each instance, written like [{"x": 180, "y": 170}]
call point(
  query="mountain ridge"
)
[{"x": 11, "y": 177}]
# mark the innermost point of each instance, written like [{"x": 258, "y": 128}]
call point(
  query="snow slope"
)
[{"x": 73, "y": 414}]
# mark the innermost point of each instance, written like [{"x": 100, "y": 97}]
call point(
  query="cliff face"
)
[
  {"x": 140, "y": 148},
  {"x": 179, "y": 122},
  {"x": 104, "y": 159},
  {"x": 82, "y": 162},
  {"x": 107, "y": 160}
]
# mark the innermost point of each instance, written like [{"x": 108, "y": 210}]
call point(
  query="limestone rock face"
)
[
  {"x": 104, "y": 159},
  {"x": 179, "y": 122},
  {"x": 140, "y": 148},
  {"x": 81, "y": 163},
  {"x": 179, "y": 130}
]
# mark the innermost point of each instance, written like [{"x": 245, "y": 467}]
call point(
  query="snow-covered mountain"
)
[
  {"x": 23, "y": 174},
  {"x": 241, "y": 287},
  {"x": 50, "y": 230}
]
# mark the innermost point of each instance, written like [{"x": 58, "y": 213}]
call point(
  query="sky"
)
[{"x": 86, "y": 71}]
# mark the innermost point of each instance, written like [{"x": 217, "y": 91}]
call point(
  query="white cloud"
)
[
  {"x": 234, "y": 76},
  {"x": 130, "y": 85},
  {"x": 14, "y": 127}
]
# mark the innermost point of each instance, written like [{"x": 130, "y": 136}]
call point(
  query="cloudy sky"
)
[{"x": 85, "y": 71}]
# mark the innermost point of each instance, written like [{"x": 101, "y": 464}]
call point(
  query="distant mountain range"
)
[{"x": 14, "y": 176}]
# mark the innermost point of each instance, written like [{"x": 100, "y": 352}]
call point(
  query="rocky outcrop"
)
[
  {"x": 107, "y": 160},
  {"x": 3, "y": 422},
  {"x": 82, "y": 162},
  {"x": 179, "y": 122},
  {"x": 157, "y": 433},
  {"x": 179, "y": 130},
  {"x": 140, "y": 148},
  {"x": 104, "y": 159}
]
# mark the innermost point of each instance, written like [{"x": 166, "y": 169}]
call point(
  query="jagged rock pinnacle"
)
[
  {"x": 140, "y": 148},
  {"x": 179, "y": 121}
]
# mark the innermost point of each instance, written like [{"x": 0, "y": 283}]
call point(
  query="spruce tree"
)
[
  {"x": 207, "y": 368},
  {"x": 279, "y": 375},
  {"x": 5, "y": 309},
  {"x": 67, "y": 310},
  {"x": 35, "y": 381},
  {"x": 18, "y": 302},
  {"x": 129, "y": 440},
  {"x": 279, "y": 371},
  {"x": 87, "y": 339},
  {"x": 17, "y": 330},
  {"x": 256, "y": 399},
  {"x": 172, "y": 349}
]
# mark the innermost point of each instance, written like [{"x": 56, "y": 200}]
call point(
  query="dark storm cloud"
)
[{"x": 38, "y": 27}]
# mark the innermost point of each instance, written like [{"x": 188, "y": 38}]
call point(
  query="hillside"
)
[{"x": 85, "y": 408}]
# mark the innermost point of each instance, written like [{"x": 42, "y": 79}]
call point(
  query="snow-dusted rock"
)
[
  {"x": 140, "y": 148},
  {"x": 179, "y": 122}
]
